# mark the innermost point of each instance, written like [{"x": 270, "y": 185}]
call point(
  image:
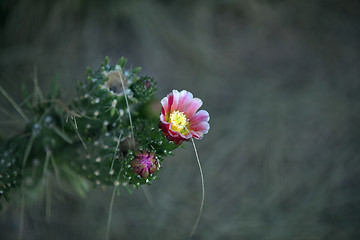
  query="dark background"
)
[{"x": 280, "y": 80}]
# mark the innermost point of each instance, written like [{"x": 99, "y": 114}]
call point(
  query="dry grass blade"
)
[{"x": 14, "y": 104}]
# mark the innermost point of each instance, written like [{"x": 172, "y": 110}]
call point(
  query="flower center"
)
[{"x": 179, "y": 121}]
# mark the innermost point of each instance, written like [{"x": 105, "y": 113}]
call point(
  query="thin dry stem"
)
[
  {"x": 203, "y": 189},
  {"x": 14, "y": 104},
  {"x": 128, "y": 109}
]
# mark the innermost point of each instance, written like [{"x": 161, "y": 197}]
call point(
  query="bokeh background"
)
[{"x": 280, "y": 80}]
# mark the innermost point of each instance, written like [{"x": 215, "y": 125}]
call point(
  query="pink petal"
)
[
  {"x": 197, "y": 135},
  {"x": 175, "y": 94},
  {"x": 184, "y": 99},
  {"x": 201, "y": 127},
  {"x": 164, "y": 125},
  {"x": 185, "y": 137},
  {"x": 170, "y": 97},
  {"x": 172, "y": 132},
  {"x": 165, "y": 106},
  {"x": 162, "y": 118},
  {"x": 192, "y": 107},
  {"x": 201, "y": 116}
]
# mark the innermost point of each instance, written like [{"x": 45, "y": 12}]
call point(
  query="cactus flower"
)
[
  {"x": 144, "y": 163},
  {"x": 179, "y": 119}
]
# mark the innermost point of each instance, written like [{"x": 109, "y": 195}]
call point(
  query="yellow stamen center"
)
[{"x": 179, "y": 121}]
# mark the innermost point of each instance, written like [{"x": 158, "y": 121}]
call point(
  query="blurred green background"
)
[{"x": 279, "y": 78}]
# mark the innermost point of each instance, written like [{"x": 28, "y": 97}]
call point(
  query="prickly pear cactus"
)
[{"x": 107, "y": 134}]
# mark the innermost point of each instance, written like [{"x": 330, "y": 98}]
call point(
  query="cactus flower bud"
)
[{"x": 144, "y": 163}]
